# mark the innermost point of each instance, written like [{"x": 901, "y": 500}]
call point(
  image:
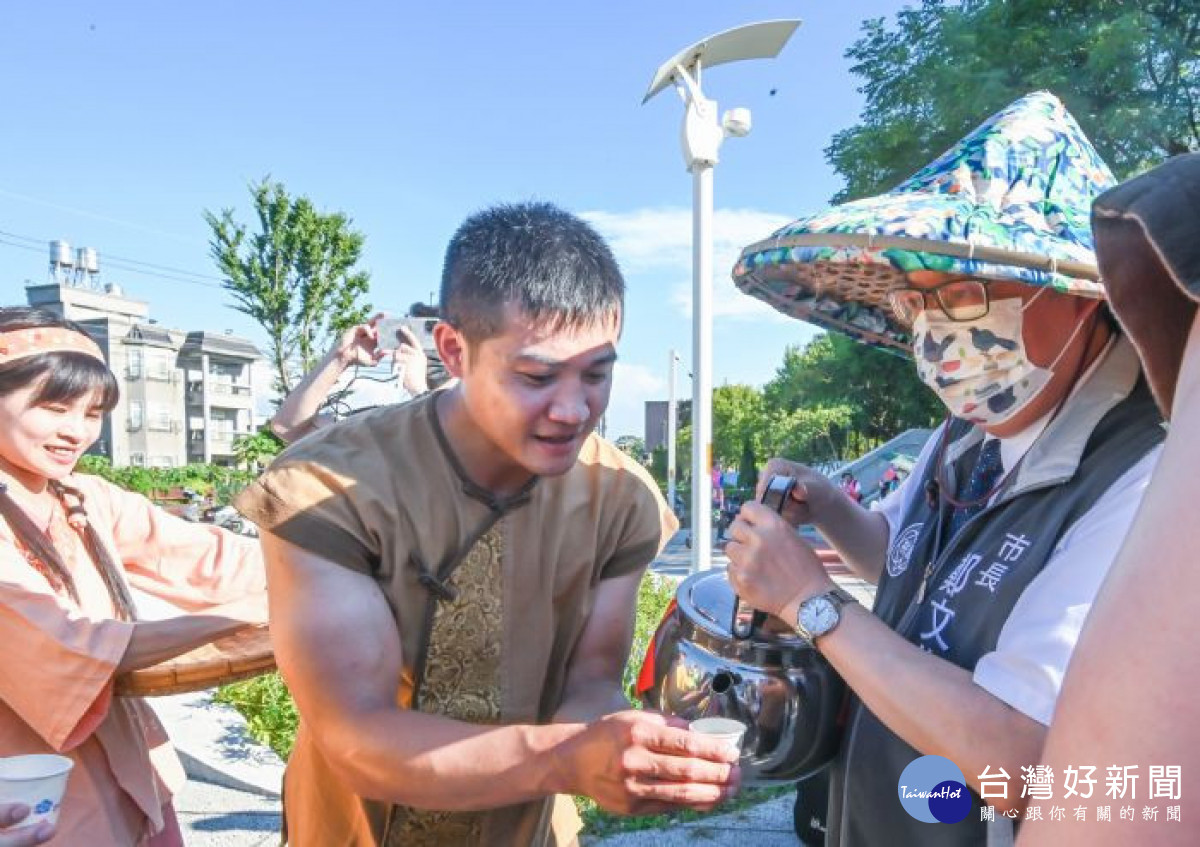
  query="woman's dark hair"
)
[
  {"x": 64, "y": 377},
  {"x": 548, "y": 263}
]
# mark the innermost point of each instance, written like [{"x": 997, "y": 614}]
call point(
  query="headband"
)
[{"x": 31, "y": 341}]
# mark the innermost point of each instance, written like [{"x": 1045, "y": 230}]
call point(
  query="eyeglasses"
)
[{"x": 959, "y": 299}]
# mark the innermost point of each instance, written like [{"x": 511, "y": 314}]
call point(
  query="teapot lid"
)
[{"x": 706, "y": 598}]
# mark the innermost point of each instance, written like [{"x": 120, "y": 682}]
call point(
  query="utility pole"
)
[{"x": 672, "y": 426}]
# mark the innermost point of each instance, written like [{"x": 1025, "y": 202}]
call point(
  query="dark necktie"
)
[{"x": 987, "y": 470}]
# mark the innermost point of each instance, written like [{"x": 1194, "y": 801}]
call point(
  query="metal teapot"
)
[{"x": 713, "y": 656}]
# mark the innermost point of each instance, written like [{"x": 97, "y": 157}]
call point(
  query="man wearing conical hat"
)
[{"x": 988, "y": 556}]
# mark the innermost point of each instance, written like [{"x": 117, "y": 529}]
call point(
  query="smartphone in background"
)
[
  {"x": 422, "y": 328},
  {"x": 389, "y": 333}
]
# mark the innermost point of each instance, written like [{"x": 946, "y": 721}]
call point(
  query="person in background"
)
[
  {"x": 71, "y": 548},
  {"x": 1126, "y": 707},
  {"x": 13, "y": 834},
  {"x": 454, "y": 579},
  {"x": 298, "y": 414},
  {"x": 728, "y": 512},
  {"x": 889, "y": 482},
  {"x": 718, "y": 491},
  {"x": 849, "y": 486},
  {"x": 988, "y": 557}
]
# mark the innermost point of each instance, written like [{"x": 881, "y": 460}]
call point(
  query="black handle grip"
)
[{"x": 745, "y": 619}]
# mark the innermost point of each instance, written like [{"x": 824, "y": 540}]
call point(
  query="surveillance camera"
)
[{"x": 736, "y": 122}]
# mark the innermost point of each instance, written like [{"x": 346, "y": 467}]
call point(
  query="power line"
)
[
  {"x": 112, "y": 257},
  {"x": 84, "y": 213},
  {"x": 122, "y": 264}
]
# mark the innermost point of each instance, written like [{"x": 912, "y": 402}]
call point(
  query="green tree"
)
[
  {"x": 748, "y": 467},
  {"x": 738, "y": 419},
  {"x": 295, "y": 276},
  {"x": 256, "y": 450},
  {"x": 632, "y": 446},
  {"x": 1129, "y": 72},
  {"x": 836, "y": 399},
  {"x": 658, "y": 466}
]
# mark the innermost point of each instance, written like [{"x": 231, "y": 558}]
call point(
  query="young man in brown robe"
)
[{"x": 453, "y": 580}]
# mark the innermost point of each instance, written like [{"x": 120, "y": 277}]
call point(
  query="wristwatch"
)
[{"x": 821, "y": 614}]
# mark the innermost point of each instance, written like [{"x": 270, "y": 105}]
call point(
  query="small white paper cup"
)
[
  {"x": 727, "y": 730},
  {"x": 37, "y": 781}
]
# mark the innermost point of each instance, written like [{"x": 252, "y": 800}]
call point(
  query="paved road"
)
[{"x": 213, "y": 816}]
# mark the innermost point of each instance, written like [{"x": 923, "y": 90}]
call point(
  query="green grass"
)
[
  {"x": 268, "y": 709},
  {"x": 271, "y": 716}
]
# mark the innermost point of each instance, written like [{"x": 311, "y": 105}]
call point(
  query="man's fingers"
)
[
  {"x": 756, "y": 514},
  {"x": 409, "y": 336},
  {"x": 12, "y": 814},
  {"x": 678, "y": 769},
  {"x": 683, "y": 742},
  {"x": 690, "y": 794}
]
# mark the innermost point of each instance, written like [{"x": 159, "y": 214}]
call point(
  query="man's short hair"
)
[
  {"x": 423, "y": 310},
  {"x": 547, "y": 262}
]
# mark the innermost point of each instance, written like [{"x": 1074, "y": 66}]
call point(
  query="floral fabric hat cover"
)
[{"x": 1009, "y": 201}]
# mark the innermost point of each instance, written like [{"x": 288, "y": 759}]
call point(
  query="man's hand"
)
[
  {"x": 770, "y": 567},
  {"x": 359, "y": 345},
  {"x": 812, "y": 496},
  {"x": 644, "y": 763},
  {"x": 12, "y": 814},
  {"x": 411, "y": 360}
]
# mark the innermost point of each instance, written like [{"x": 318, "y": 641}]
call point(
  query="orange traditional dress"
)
[{"x": 60, "y": 657}]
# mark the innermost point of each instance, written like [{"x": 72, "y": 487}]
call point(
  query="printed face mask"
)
[{"x": 979, "y": 368}]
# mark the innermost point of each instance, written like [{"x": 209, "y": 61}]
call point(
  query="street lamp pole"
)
[
  {"x": 702, "y": 138},
  {"x": 672, "y": 425},
  {"x": 703, "y": 132}
]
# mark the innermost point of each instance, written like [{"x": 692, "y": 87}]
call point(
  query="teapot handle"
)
[{"x": 745, "y": 619}]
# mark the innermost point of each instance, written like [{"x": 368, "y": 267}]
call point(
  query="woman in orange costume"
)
[{"x": 71, "y": 547}]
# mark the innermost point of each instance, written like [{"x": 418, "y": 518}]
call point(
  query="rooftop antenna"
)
[{"x": 702, "y": 135}]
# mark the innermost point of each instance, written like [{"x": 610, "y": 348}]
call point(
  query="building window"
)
[
  {"x": 133, "y": 364},
  {"x": 138, "y": 460},
  {"x": 162, "y": 462},
  {"x": 159, "y": 417},
  {"x": 135, "y": 415},
  {"x": 157, "y": 365}
]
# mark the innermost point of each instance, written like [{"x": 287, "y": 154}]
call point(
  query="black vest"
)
[{"x": 970, "y": 587}]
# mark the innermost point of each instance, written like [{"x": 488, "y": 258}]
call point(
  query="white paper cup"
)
[
  {"x": 37, "y": 781},
  {"x": 726, "y": 730}
]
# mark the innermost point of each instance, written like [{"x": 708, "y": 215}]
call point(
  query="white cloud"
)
[
  {"x": 633, "y": 385},
  {"x": 660, "y": 241}
]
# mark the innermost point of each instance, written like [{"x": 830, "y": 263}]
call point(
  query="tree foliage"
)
[
  {"x": 295, "y": 276},
  {"x": 828, "y": 402},
  {"x": 256, "y": 450},
  {"x": 1129, "y": 73},
  {"x": 222, "y": 483},
  {"x": 836, "y": 399},
  {"x": 633, "y": 447},
  {"x": 738, "y": 415}
]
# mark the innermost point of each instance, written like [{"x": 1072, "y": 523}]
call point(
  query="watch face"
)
[{"x": 818, "y": 615}]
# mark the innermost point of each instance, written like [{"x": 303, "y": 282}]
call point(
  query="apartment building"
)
[{"x": 185, "y": 396}]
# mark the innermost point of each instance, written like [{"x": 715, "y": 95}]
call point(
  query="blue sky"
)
[{"x": 125, "y": 120}]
